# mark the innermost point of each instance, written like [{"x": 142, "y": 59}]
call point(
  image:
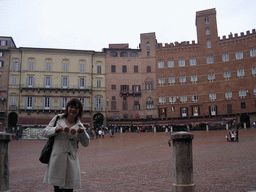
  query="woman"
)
[{"x": 63, "y": 169}]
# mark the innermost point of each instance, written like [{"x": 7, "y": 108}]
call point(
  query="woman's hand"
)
[
  {"x": 73, "y": 131},
  {"x": 58, "y": 129},
  {"x": 66, "y": 129},
  {"x": 80, "y": 129}
]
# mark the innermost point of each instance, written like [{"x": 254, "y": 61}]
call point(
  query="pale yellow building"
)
[{"x": 42, "y": 81}]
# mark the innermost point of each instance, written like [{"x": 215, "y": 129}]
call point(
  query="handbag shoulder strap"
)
[{"x": 56, "y": 120}]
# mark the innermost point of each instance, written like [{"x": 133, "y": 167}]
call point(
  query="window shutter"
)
[
  {"x": 101, "y": 104},
  {"x": 61, "y": 101},
  {"x": 79, "y": 84},
  {"x": 198, "y": 111},
  {"x": 26, "y": 102},
  {"x": 33, "y": 102},
  {"x": 68, "y": 82},
  {"x": 33, "y": 81},
  {"x": 50, "y": 102},
  {"x": 51, "y": 81},
  {"x": 43, "y": 102},
  {"x": 85, "y": 102},
  {"x": 61, "y": 82},
  {"x": 85, "y": 83}
]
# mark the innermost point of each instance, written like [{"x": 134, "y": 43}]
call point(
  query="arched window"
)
[
  {"x": 123, "y": 54},
  {"x": 113, "y": 54},
  {"x": 134, "y": 54},
  {"x": 207, "y": 31},
  {"x": 148, "y": 45}
]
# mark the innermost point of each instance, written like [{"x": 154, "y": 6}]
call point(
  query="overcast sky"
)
[{"x": 93, "y": 24}]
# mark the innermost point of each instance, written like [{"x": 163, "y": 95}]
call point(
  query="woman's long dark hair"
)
[{"x": 74, "y": 102}]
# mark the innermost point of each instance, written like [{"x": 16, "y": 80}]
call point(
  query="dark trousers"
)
[{"x": 57, "y": 189}]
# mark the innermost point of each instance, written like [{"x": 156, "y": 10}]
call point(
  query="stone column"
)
[
  {"x": 5, "y": 138},
  {"x": 245, "y": 125},
  {"x": 183, "y": 162},
  {"x": 207, "y": 127},
  {"x": 227, "y": 126}
]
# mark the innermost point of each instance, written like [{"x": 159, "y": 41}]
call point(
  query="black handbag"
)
[{"x": 47, "y": 150}]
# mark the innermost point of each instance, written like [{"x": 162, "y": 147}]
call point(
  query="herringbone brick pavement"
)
[{"x": 144, "y": 162}]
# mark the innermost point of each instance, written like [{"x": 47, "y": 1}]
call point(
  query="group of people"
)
[{"x": 232, "y": 135}]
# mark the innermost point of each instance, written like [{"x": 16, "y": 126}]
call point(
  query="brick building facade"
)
[
  {"x": 207, "y": 82},
  {"x": 131, "y": 83}
]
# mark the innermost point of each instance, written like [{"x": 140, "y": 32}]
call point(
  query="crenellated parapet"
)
[
  {"x": 238, "y": 37},
  {"x": 178, "y": 45}
]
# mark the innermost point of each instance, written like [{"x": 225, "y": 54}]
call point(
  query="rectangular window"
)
[
  {"x": 183, "y": 98},
  {"x": 184, "y": 111},
  {"x": 161, "y": 81},
  {"x": 136, "y": 69},
  {"x": 113, "y": 68},
  {"x": 16, "y": 66},
  {"x": 13, "y": 103},
  {"x": 136, "y": 105},
  {"x": 82, "y": 83},
  {"x": 171, "y": 80},
  {"x": 47, "y": 82},
  {"x": 182, "y": 79},
  {"x": 239, "y": 55},
  {"x": 172, "y": 99},
  {"x": 253, "y": 52},
  {"x": 113, "y": 87},
  {"x": 1, "y": 64},
  {"x": 210, "y": 59},
  {"x": 243, "y": 105},
  {"x": 227, "y": 75},
  {"x": 64, "y": 82},
  {"x": 254, "y": 71},
  {"x": 209, "y": 44},
  {"x": 150, "y": 104},
  {"x": 170, "y": 63},
  {"x": 31, "y": 66},
  {"x": 82, "y": 68},
  {"x": 84, "y": 102},
  {"x": 136, "y": 88},
  {"x": 29, "y": 102},
  {"x": 124, "y": 68},
  {"x": 98, "y": 83},
  {"x": 162, "y": 100},
  {"x": 46, "y": 102},
  {"x": 229, "y": 108},
  {"x": 181, "y": 62},
  {"x": 149, "y": 85},
  {"x": 1, "y": 54},
  {"x": 212, "y": 96},
  {"x": 242, "y": 93},
  {"x": 211, "y": 77},
  {"x": 148, "y": 69},
  {"x": 228, "y": 95},
  {"x": 14, "y": 80},
  {"x": 65, "y": 67},
  {"x": 48, "y": 66},
  {"x": 196, "y": 111},
  {"x": 194, "y": 78},
  {"x": 195, "y": 98},
  {"x": 124, "y": 88},
  {"x": 3, "y": 42},
  {"x": 30, "y": 81},
  {"x": 192, "y": 61},
  {"x": 213, "y": 110},
  {"x": 63, "y": 103},
  {"x": 160, "y": 64},
  {"x": 240, "y": 73},
  {"x": 254, "y": 92},
  {"x": 225, "y": 57},
  {"x": 99, "y": 69}
]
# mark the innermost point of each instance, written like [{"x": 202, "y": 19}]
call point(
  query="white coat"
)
[{"x": 63, "y": 169}]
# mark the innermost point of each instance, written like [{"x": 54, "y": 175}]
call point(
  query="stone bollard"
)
[
  {"x": 183, "y": 162},
  {"x": 5, "y": 138}
]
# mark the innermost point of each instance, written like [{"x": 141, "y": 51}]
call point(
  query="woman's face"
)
[{"x": 73, "y": 110}]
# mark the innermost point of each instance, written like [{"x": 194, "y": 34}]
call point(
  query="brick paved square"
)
[{"x": 143, "y": 162}]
